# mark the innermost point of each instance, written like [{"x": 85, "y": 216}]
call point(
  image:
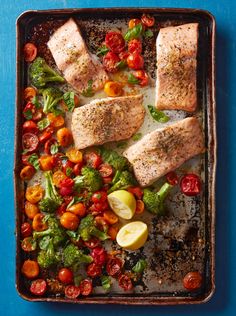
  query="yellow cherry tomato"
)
[
  {"x": 74, "y": 155},
  {"x": 56, "y": 121},
  {"x": 64, "y": 137},
  {"x": 31, "y": 209},
  {"x": 34, "y": 194},
  {"x": 69, "y": 221},
  {"x": 38, "y": 223},
  {"x": 57, "y": 177},
  {"x": 113, "y": 89}
]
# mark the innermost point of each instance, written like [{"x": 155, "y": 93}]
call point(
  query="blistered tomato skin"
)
[
  {"x": 190, "y": 184},
  {"x": 114, "y": 267},
  {"x": 72, "y": 291},
  {"x": 86, "y": 287},
  {"x": 38, "y": 287},
  {"x": 65, "y": 275},
  {"x": 192, "y": 281},
  {"x": 99, "y": 255}
]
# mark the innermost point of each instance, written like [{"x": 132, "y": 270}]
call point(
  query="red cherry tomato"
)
[
  {"x": 30, "y": 52},
  {"x": 136, "y": 191},
  {"x": 147, "y": 20},
  {"x": 30, "y": 127},
  {"x": 72, "y": 291},
  {"x": 67, "y": 167},
  {"x": 115, "y": 42},
  {"x": 123, "y": 55},
  {"x": 92, "y": 243},
  {"x": 105, "y": 170},
  {"x": 61, "y": 209},
  {"x": 135, "y": 61},
  {"x": 99, "y": 197},
  {"x": 92, "y": 159},
  {"x": 26, "y": 230},
  {"x": 29, "y": 111},
  {"x": 28, "y": 244},
  {"x": 110, "y": 61},
  {"x": 99, "y": 255},
  {"x": 93, "y": 270},
  {"x": 192, "y": 281},
  {"x": 66, "y": 186},
  {"x": 114, "y": 266},
  {"x": 65, "y": 275},
  {"x": 142, "y": 76},
  {"x": 77, "y": 168},
  {"x": 190, "y": 184},
  {"x": 48, "y": 144},
  {"x": 172, "y": 178},
  {"x": 38, "y": 287},
  {"x": 46, "y": 135},
  {"x": 86, "y": 287},
  {"x": 101, "y": 206},
  {"x": 30, "y": 142},
  {"x": 135, "y": 46},
  {"x": 125, "y": 282}
]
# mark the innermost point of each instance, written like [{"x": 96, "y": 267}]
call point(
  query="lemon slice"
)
[
  {"x": 132, "y": 236},
  {"x": 122, "y": 203}
]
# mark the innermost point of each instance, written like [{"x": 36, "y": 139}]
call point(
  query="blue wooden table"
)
[{"x": 224, "y": 300}]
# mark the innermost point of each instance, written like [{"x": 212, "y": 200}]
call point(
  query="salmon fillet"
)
[
  {"x": 106, "y": 120},
  {"x": 176, "y": 87},
  {"x": 165, "y": 149},
  {"x": 74, "y": 60}
]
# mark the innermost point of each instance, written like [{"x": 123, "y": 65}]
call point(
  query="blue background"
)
[{"x": 224, "y": 300}]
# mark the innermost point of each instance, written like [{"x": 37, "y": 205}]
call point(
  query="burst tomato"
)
[
  {"x": 99, "y": 256},
  {"x": 92, "y": 159},
  {"x": 48, "y": 145},
  {"x": 69, "y": 221},
  {"x": 77, "y": 168},
  {"x": 28, "y": 244},
  {"x": 67, "y": 167},
  {"x": 142, "y": 76},
  {"x": 135, "y": 46},
  {"x": 172, "y": 178},
  {"x": 110, "y": 61},
  {"x": 147, "y": 20},
  {"x": 30, "y": 142},
  {"x": 99, "y": 197},
  {"x": 114, "y": 266},
  {"x": 47, "y": 162},
  {"x": 190, "y": 184},
  {"x": 105, "y": 170},
  {"x": 135, "y": 61},
  {"x": 72, "y": 291},
  {"x": 93, "y": 270},
  {"x": 136, "y": 191},
  {"x": 30, "y": 127},
  {"x": 46, "y": 135},
  {"x": 30, "y": 269},
  {"x": 34, "y": 194},
  {"x": 86, "y": 287},
  {"x": 115, "y": 42},
  {"x": 78, "y": 209},
  {"x": 26, "y": 230},
  {"x": 125, "y": 282},
  {"x": 92, "y": 243},
  {"x": 29, "y": 111},
  {"x": 27, "y": 173}
]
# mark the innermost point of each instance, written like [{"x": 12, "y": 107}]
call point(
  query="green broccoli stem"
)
[{"x": 164, "y": 190}]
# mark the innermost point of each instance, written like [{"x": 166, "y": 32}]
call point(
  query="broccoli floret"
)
[
  {"x": 40, "y": 73},
  {"x": 51, "y": 200},
  {"x": 154, "y": 201},
  {"x": 87, "y": 229},
  {"x": 51, "y": 97},
  {"x": 123, "y": 181},
  {"x": 73, "y": 256},
  {"x": 114, "y": 159},
  {"x": 48, "y": 257},
  {"x": 90, "y": 179}
]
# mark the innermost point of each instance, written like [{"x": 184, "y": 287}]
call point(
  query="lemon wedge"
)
[
  {"x": 132, "y": 236},
  {"x": 122, "y": 203}
]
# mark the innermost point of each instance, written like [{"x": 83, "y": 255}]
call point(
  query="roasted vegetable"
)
[
  {"x": 48, "y": 256},
  {"x": 114, "y": 159},
  {"x": 40, "y": 73},
  {"x": 51, "y": 200},
  {"x": 123, "y": 181},
  {"x": 51, "y": 97},
  {"x": 72, "y": 256},
  {"x": 90, "y": 179},
  {"x": 87, "y": 229},
  {"x": 154, "y": 201}
]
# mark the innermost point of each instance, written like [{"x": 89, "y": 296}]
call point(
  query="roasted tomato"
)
[
  {"x": 172, "y": 178},
  {"x": 31, "y": 209},
  {"x": 30, "y": 52},
  {"x": 64, "y": 137},
  {"x": 65, "y": 275},
  {"x": 69, "y": 221},
  {"x": 28, "y": 244},
  {"x": 135, "y": 61},
  {"x": 29, "y": 93},
  {"x": 192, "y": 281},
  {"x": 114, "y": 266},
  {"x": 46, "y": 135},
  {"x": 92, "y": 159},
  {"x": 56, "y": 121},
  {"x": 125, "y": 282},
  {"x": 86, "y": 287},
  {"x": 113, "y": 89},
  {"x": 113, "y": 231},
  {"x": 29, "y": 111},
  {"x": 30, "y": 127},
  {"x": 92, "y": 243},
  {"x": 139, "y": 207},
  {"x": 110, "y": 217},
  {"x": 115, "y": 42},
  {"x": 99, "y": 256},
  {"x": 72, "y": 291},
  {"x": 30, "y": 269},
  {"x": 47, "y": 162},
  {"x": 48, "y": 145},
  {"x": 26, "y": 230},
  {"x": 66, "y": 186},
  {"x": 67, "y": 167},
  {"x": 135, "y": 46},
  {"x": 74, "y": 155},
  {"x": 99, "y": 197},
  {"x": 142, "y": 76},
  {"x": 78, "y": 209},
  {"x": 38, "y": 223},
  {"x": 147, "y": 20},
  {"x": 133, "y": 23},
  {"x": 93, "y": 270},
  {"x": 110, "y": 61},
  {"x": 27, "y": 173},
  {"x": 105, "y": 170},
  {"x": 30, "y": 142},
  {"x": 136, "y": 191},
  {"x": 34, "y": 194},
  {"x": 58, "y": 177},
  {"x": 190, "y": 184},
  {"x": 38, "y": 287}
]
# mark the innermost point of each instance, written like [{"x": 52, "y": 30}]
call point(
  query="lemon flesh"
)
[
  {"x": 132, "y": 236},
  {"x": 122, "y": 203}
]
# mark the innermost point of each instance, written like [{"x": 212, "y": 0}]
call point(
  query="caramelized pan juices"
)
[{"x": 115, "y": 156}]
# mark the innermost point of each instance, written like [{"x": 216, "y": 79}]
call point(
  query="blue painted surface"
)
[{"x": 223, "y": 302}]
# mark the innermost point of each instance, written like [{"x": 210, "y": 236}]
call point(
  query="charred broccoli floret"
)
[
  {"x": 51, "y": 97},
  {"x": 73, "y": 256},
  {"x": 48, "y": 257},
  {"x": 124, "y": 180},
  {"x": 154, "y": 201},
  {"x": 40, "y": 73},
  {"x": 51, "y": 200},
  {"x": 90, "y": 179},
  {"x": 87, "y": 229},
  {"x": 114, "y": 159}
]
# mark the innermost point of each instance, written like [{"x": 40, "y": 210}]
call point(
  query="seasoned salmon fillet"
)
[
  {"x": 165, "y": 149},
  {"x": 176, "y": 87},
  {"x": 106, "y": 120},
  {"x": 72, "y": 57}
]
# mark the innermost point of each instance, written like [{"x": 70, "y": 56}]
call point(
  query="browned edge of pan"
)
[{"x": 212, "y": 146}]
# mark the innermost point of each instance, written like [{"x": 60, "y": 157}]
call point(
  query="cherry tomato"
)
[
  {"x": 74, "y": 155},
  {"x": 123, "y": 55},
  {"x": 48, "y": 144},
  {"x": 46, "y": 162},
  {"x": 57, "y": 177},
  {"x": 136, "y": 191},
  {"x": 93, "y": 270},
  {"x": 30, "y": 127},
  {"x": 37, "y": 116},
  {"x": 69, "y": 221},
  {"x": 64, "y": 137},
  {"x": 31, "y": 209},
  {"x": 142, "y": 76},
  {"x": 172, "y": 178},
  {"x": 114, "y": 266},
  {"x": 61, "y": 209},
  {"x": 190, "y": 184},
  {"x": 99, "y": 197},
  {"x": 65, "y": 275},
  {"x": 110, "y": 61},
  {"x": 26, "y": 230},
  {"x": 78, "y": 209},
  {"x": 101, "y": 206},
  {"x": 56, "y": 121},
  {"x": 30, "y": 52},
  {"x": 29, "y": 111},
  {"x": 38, "y": 287},
  {"x": 133, "y": 23},
  {"x": 135, "y": 61},
  {"x": 30, "y": 269},
  {"x": 135, "y": 46},
  {"x": 147, "y": 20},
  {"x": 46, "y": 135},
  {"x": 38, "y": 223},
  {"x": 125, "y": 282},
  {"x": 139, "y": 207},
  {"x": 67, "y": 167},
  {"x": 30, "y": 142},
  {"x": 66, "y": 186},
  {"x": 86, "y": 287},
  {"x": 34, "y": 194},
  {"x": 27, "y": 173},
  {"x": 28, "y": 244},
  {"x": 105, "y": 170},
  {"x": 113, "y": 88},
  {"x": 72, "y": 291},
  {"x": 110, "y": 217},
  {"x": 77, "y": 168},
  {"x": 115, "y": 42},
  {"x": 92, "y": 243},
  {"x": 92, "y": 159},
  {"x": 29, "y": 93},
  {"x": 192, "y": 281},
  {"x": 99, "y": 256}
]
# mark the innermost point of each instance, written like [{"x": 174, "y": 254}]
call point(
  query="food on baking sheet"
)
[
  {"x": 106, "y": 120},
  {"x": 165, "y": 149},
  {"x": 176, "y": 82},
  {"x": 74, "y": 60}
]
